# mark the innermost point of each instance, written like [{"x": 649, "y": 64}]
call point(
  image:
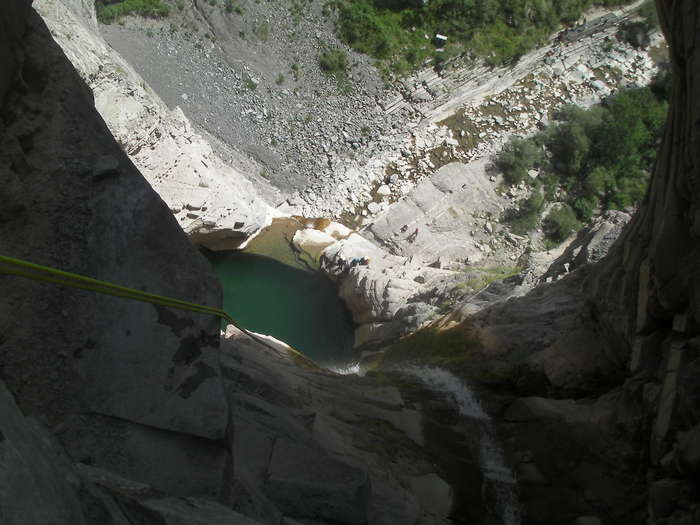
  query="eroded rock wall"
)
[
  {"x": 595, "y": 376},
  {"x": 114, "y": 412},
  {"x": 646, "y": 295},
  {"x": 214, "y": 202},
  {"x": 87, "y": 364}
]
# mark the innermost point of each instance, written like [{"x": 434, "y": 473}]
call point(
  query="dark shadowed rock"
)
[
  {"x": 74, "y": 201},
  {"x": 308, "y": 486},
  {"x": 36, "y": 485}
]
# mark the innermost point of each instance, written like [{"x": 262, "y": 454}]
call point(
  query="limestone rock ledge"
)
[
  {"x": 213, "y": 202},
  {"x": 388, "y": 297}
]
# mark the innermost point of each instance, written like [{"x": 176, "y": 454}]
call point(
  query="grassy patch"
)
[
  {"x": 403, "y": 33},
  {"x": 488, "y": 276},
  {"x": 433, "y": 346},
  {"x": 108, "y": 13},
  {"x": 334, "y": 62},
  {"x": 295, "y": 71}
]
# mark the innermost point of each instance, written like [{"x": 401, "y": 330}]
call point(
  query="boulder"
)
[
  {"x": 590, "y": 245},
  {"x": 312, "y": 242},
  {"x": 122, "y": 501},
  {"x": 306, "y": 485},
  {"x": 37, "y": 485},
  {"x": 664, "y": 496},
  {"x": 384, "y": 191}
]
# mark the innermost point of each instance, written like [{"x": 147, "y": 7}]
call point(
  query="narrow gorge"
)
[{"x": 470, "y": 271}]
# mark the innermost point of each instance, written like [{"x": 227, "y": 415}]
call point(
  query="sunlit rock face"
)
[{"x": 213, "y": 201}]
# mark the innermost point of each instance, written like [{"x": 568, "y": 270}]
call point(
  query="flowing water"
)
[{"x": 500, "y": 484}]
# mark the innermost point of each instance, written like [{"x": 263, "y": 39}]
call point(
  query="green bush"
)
[
  {"x": 597, "y": 159},
  {"x": 262, "y": 31},
  {"x": 517, "y": 157},
  {"x": 602, "y": 157},
  {"x": 334, "y": 62},
  {"x": 569, "y": 142},
  {"x": 525, "y": 216},
  {"x": 249, "y": 83},
  {"x": 560, "y": 223},
  {"x": 108, "y": 13},
  {"x": 649, "y": 14},
  {"x": 636, "y": 34}
]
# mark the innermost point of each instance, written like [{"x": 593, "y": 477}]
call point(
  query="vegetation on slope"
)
[
  {"x": 108, "y": 12},
  {"x": 589, "y": 160},
  {"x": 402, "y": 32}
]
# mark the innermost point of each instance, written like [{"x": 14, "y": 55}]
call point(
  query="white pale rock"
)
[{"x": 384, "y": 190}]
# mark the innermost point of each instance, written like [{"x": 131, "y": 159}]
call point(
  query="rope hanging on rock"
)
[{"x": 37, "y": 272}]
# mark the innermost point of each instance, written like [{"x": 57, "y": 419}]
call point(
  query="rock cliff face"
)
[
  {"x": 76, "y": 202},
  {"x": 646, "y": 295},
  {"x": 214, "y": 202},
  {"x": 595, "y": 376},
  {"x": 115, "y": 412}
]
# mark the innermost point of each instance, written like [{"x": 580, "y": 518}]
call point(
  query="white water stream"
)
[{"x": 500, "y": 481}]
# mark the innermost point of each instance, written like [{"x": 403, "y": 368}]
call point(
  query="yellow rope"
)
[{"x": 21, "y": 268}]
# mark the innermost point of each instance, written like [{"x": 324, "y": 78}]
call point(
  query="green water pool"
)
[{"x": 298, "y": 306}]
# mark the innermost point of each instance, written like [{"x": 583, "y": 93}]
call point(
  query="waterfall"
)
[
  {"x": 352, "y": 368},
  {"x": 500, "y": 482}
]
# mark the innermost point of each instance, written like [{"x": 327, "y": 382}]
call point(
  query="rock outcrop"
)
[
  {"x": 590, "y": 245},
  {"x": 594, "y": 376},
  {"x": 212, "y": 201},
  {"x": 388, "y": 296},
  {"x": 86, "y": 362},
  {"x": 116, "y": 412}
]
